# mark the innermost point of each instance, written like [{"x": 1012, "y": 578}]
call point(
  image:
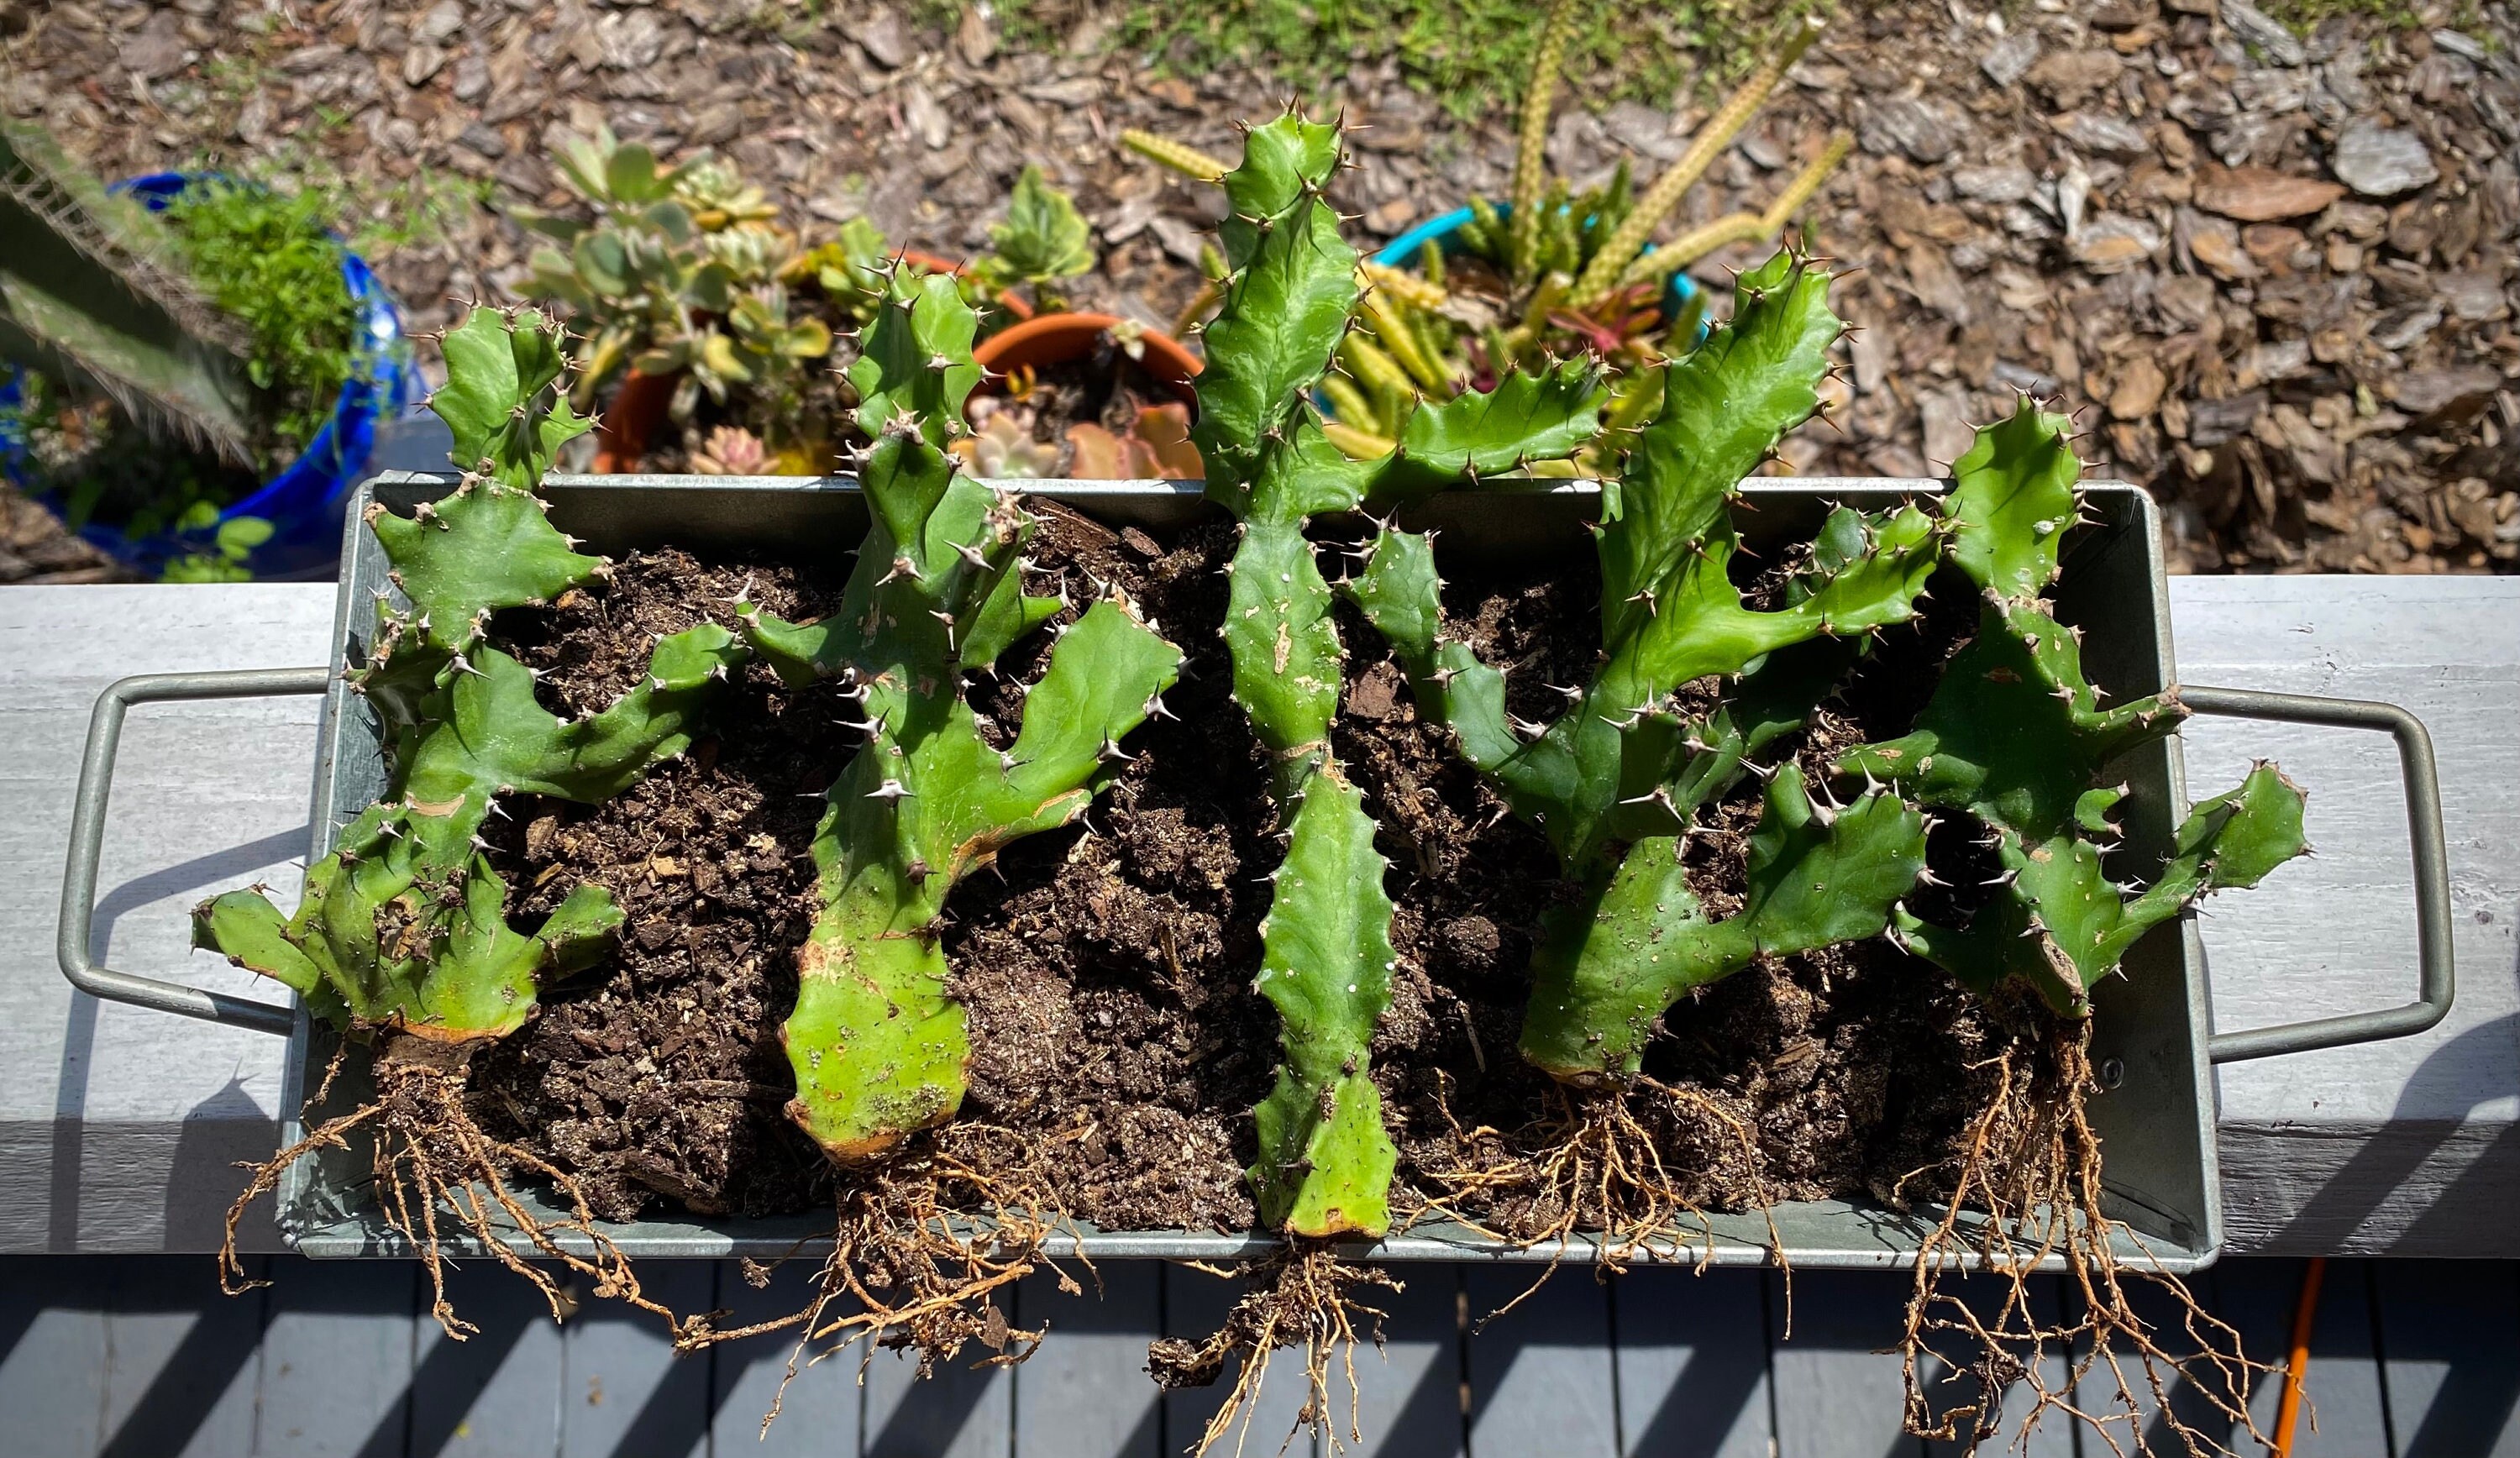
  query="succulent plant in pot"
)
[
  {"x": 217, "y": 315},
  {"x": 1551, "y": 271},
  {"x": 678, "y": 282}
]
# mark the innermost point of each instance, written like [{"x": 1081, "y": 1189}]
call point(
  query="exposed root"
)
[
  {"x": 1303, "y": 1294},
  {"x": 438, "y": 1178},
  {"x": 1607, "y": 1162},
  {"x": 910, "y": 1269},
  {"x": 2032, "y": 1163}
]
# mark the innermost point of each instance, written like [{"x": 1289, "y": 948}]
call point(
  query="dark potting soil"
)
[{"x": 1107, "y": 966}]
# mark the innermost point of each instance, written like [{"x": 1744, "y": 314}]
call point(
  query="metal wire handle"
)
[
  {"x": 2435, "y": 978},
  {"x": 87, "y": 844}
]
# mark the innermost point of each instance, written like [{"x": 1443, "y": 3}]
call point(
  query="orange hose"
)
[{"x": 2304, "y": 1316}]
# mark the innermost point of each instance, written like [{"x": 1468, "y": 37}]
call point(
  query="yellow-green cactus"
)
[{"x": 879, "y": 1048}]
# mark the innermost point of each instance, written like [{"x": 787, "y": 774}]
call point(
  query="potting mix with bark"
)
[{"x": 1010, "y": 871}]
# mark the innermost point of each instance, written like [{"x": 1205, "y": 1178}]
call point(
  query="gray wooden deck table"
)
[{"x": 118, "y": 1129}]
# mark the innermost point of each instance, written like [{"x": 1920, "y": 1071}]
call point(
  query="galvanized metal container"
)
[{"x": 2152, "y": 1029}]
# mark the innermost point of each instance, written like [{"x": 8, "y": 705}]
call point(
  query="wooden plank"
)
[
  {"x": 961, "y": 1411},
  {"x": 1838, "y": 1390},
  {"x": 336, "y": 1358},
  {"x": 186, "y": 1358},
  {"x": 120, "y": 1126},
  {"x": 1085, "y": 1394},
  {"x": 2344, "y": 1415},
  {"x": 819, "y": 1411},
  {"x": 53, "y": 1356},
  {"x": 624, "y": 1394},
  {"x": 2450, "y": 1344},
  {"x": 1692, "y": 1363},
  {"x": 1540, "y": 1375},
  {"x": 1409, "y": 1392},
  {"x": 2396, "y": 1147},
  {"x": 2053, "y": 1436},
  {"x": 1195, "y": 1305},
  {"x": 497, "y": 1393}
]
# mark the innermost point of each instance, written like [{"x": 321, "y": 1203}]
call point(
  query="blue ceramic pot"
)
[{"x": 303, "y": 502}]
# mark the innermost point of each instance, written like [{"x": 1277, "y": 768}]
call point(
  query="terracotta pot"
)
[
  {"x": 630, "y": 419},
  {"x": 1008, "y": 299},
  {"x": 1057, "y": 338}
]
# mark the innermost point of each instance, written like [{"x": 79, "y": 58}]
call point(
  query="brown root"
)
[
  {"x": 2032, "y": 1163},
  {"x": 439, "y": 1179},
  {"x": 910, "y": 1269},
  {"x": 1629, "y": 1164},
  {"x": 1302, "y": 1294}
]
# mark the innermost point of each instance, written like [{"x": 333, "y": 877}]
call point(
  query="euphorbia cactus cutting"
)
[
  {"x": 879, "y": 1048},
  {"x": 2016, "y": 738},
  {"x": 1616, "y": 779},
  {"x": 403, "y": 932},
  {"x": 1324, "y": 1162}
]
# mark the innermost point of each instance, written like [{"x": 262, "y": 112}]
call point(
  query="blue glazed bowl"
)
[{"x": 303, "y": 502}]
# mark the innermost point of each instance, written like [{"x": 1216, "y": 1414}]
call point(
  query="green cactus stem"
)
[
  {"x": 1607, "y": 968},
  {"x": 402, "y": 936},
  {"x": 879, "y": 1048},
  {"x": 2015, "y": 737},
  {"x": 1289, "y": 300},
  {"x": 1616, "y": 780},
  {"x": 403, "y": 926}
]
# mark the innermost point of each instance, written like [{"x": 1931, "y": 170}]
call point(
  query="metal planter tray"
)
[{"x": 2152, "y": 1034}]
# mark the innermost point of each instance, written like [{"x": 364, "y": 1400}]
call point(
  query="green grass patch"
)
[{"x": 1472, "y": 55}]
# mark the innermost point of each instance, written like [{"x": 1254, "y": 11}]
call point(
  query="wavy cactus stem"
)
[
  {"x": 1616, "y": 781},
  {"x": 402, "y": 934},
  {"x": 403, "y": 926},
  {"x": 879, "y": 1048},
  {"x": 1289, "y": 298},
  {"x": 2015, "y": 737}
]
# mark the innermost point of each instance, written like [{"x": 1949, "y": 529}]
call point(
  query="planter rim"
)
[{"x": 2157, "y": 1019}]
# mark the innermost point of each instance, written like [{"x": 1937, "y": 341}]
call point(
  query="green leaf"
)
[{"x": 1044, "y": 237}]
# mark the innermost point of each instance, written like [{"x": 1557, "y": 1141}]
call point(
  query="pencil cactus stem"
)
[
  {"x": 1531, "y": 138},
  {"x": 1181, "y": 157},
  {"x": 1416, "y": 291},
  {"x": 1392, "y": 328},
  {"x": 1741, "y": 226},
  {"x": 1600, "y": 277}
]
